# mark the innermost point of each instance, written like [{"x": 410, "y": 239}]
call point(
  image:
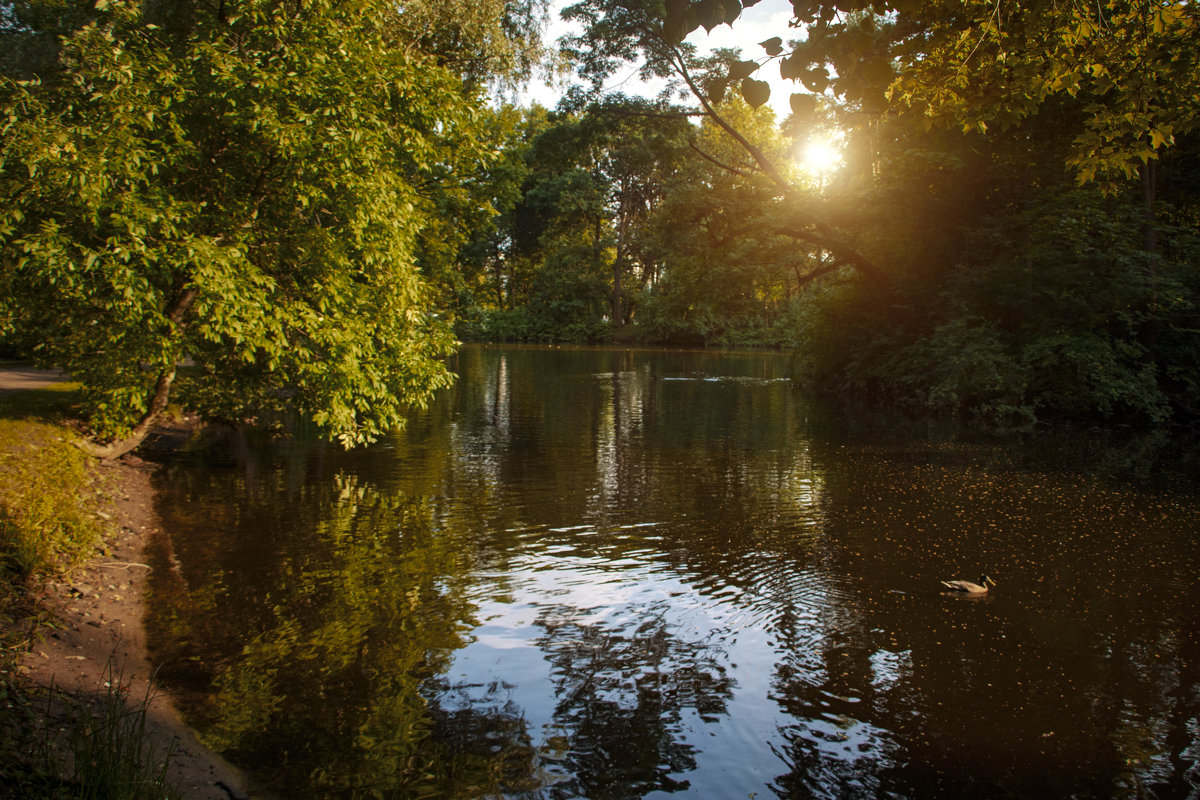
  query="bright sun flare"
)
[{"x": 821, "y": 157}]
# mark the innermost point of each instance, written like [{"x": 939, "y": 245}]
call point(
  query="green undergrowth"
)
[
  {"x": 93, "y": 747},
  {"x": 53, "y": 745},
  {"x": 47, "y": 523}
]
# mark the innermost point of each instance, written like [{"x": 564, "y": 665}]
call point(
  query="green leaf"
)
[
  {"x": 710, "y": 14},
  {"x": 716, "y": 90},
  {"x": 742, "y": 69},
  {"x": 792, "y": 67},
  {"x": 733, "y": 10},
  {"x": 675, "y": 23},
  {"x": 816, "y": 80},
  {"x": 803, "y": 105},
  {"x": 755, "y": 92},
  {"x": 773, "y": 46},
  {"x": 1160, "y": 137}
]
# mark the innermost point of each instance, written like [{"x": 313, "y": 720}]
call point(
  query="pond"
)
[{"x": 624, "y": 573}]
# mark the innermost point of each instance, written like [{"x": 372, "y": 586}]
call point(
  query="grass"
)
[
  {"x": 53, "y": 745},
  {"x": 84, "y": 748},
  {"x": 110, "y": 753},
  {"x": 47, "y": 523}
]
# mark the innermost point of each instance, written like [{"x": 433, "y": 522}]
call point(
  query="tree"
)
[
  {"x": 1132, "y": 67},
  {"x": 571, "y": 249},
  {"x": 652, "y": 33},
  {"x": 237, "y": 185},
  {"x": 487, "y": 42},
  {"x": 1009, "y": 292},
  {"x": 640, "y": 146},
  {"x": 729, "y": 269}
]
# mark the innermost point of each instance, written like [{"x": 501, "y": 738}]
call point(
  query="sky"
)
[{"x": 758, "y": 23}]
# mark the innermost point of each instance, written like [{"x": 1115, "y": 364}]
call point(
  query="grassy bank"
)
[
  {"x": 47, "y": 523},
  {"x": 52, "y": 744}
]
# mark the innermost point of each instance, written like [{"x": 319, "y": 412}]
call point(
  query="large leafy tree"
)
[
  {"x": 729, "y": 268},
  {"x": 1026, "y": 297},
  {"x": 639, "y": 147},
  {"x": 240, "y": 185}
]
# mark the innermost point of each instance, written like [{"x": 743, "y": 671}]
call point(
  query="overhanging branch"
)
[{"x": 715, "y": 161}]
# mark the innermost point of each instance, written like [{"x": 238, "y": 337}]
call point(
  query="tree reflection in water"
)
[
  {"x": 589, "y": 574},
  {"x": 622, "y": 693},
  {"x": 327, "y": 695}
]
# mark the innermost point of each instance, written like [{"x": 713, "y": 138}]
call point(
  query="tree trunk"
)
[
  {"x": 1150, "y": 249},
  {"x": 158, "y": 402},
  {"x": 118, "y": 448},
  {"x": 1149, "y": 222},
  {"x": 618, "y": 269}
]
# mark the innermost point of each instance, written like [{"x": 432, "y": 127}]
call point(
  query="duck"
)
[{"x": 967, "y": 587}]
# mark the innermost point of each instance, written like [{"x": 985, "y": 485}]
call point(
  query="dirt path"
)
[
  {"x": 15, "y": 377},
  {"x": 99, "y": 610}
]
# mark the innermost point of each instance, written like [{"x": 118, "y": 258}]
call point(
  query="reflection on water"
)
[{"x": 610, "y": 574}]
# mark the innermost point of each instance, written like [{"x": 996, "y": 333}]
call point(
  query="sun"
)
[{"x": 821, "y": 157}]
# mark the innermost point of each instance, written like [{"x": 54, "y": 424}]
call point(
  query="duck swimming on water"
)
[{"x": 967, "y": 587}]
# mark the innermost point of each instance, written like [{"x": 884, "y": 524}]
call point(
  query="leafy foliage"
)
[
  {"x": 1024, "y": 298},
  {"x": 571, "y": 256},
  {"x": 983, "y": 283},
  {"x": 1132, "y": 68},
  {"x": 243, "y": 186}
]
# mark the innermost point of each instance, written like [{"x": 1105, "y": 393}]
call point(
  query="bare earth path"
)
[{"x": 18, "y": 376}]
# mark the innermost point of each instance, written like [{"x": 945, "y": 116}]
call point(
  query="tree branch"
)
[
  {"x": 842, "y": 253},
  {"x": 711, "y": 112},
  {"x": 824, "y": 239},
  {"x": 715, "y": 161}
]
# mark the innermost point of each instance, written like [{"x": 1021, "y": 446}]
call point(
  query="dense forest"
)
[
  {"x": 309, "y": 204},
  {"x": 1012, "y": 234}
]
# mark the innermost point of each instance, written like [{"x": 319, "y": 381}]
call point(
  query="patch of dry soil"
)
[{"x": 99, "y": 610}]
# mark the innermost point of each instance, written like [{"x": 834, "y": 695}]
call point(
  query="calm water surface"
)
[{"x": 610, "y": 574}]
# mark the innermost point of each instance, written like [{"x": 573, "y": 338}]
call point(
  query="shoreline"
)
[{"x": 96, "y": 632}]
